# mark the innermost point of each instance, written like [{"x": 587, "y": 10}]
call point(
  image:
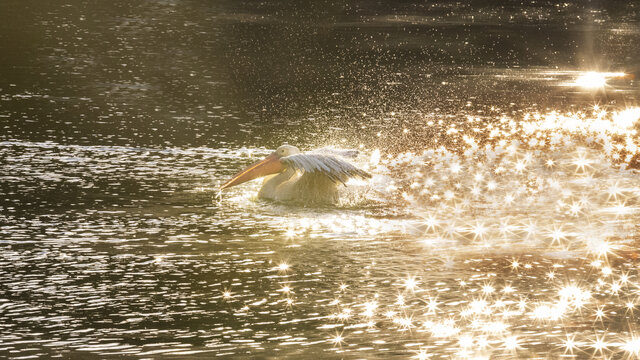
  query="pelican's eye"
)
[{"x": 284, "y": 152}]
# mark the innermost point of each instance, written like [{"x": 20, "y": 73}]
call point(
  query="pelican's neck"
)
[{"x": 271, "y": 183}]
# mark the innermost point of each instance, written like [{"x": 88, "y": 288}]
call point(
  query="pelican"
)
[{"x": 293, "y": 176}]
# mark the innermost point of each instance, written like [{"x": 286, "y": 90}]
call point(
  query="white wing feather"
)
[
  {"x": 349, "y": 154},
  {"x": 334, "y": 168}
]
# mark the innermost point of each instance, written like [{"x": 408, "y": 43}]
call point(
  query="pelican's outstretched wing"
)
[
  {"x": 334, "y": 168},
  {"x": 349, "y": 154}
]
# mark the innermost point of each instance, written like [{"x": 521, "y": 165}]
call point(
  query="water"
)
[{"x": 500, "y": 221}]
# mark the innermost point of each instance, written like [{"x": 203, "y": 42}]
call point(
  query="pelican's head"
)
[
  {"x": 267, "y": 166},
  {"x": 286, "y": 150}
]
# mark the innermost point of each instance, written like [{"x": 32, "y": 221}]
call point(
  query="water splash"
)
[{"x": 555, "y": 192}]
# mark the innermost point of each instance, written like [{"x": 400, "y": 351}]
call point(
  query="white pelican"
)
[{"x": 301, "y": 177}]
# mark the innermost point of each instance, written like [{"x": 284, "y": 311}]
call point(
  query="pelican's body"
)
[
  {"x": 309, "y": 178},
  {"x": 290, "y": 185}
]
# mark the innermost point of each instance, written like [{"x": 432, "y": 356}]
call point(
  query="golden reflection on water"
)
[
  {"x": 558, "y": 185},
  {"x": 550, "y": 183}
]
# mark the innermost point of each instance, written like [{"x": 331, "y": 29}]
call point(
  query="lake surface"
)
[{"x": 501, "y": 220}]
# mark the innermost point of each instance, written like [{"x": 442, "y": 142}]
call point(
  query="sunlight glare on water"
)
[
  {"x": 500, "y": 220},
  {"x": 553, "y": 192},
  {"x": 524, "y": 243}
]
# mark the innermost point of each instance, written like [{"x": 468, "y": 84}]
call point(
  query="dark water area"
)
[
  {"x": 500, "y": 221},
  {"x": 215, "y": 73}
]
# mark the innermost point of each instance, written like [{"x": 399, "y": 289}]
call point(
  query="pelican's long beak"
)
[{"x": 269, "y": 165}]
